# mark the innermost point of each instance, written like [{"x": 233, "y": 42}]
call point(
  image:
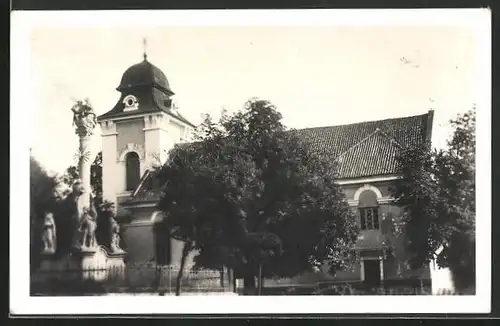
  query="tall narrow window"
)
[
  {"x": 368, "y": 211},
  {"x": 133, "y": 171}
]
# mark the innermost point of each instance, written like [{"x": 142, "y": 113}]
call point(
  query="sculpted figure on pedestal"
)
[
  {"x": 84, "y": 118},
  {"x": 88, "y": 227},
  {"x": 49, "y": 234},
  {"x": 115, "y": 235},
  {"x": 83, "y": 217}
]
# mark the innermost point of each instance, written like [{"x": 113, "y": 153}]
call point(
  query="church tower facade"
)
[{"x": 138, "y": 131}]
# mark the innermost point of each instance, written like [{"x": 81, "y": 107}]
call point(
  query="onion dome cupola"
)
[
  {"x": 144, "y": 88},
  {"x": 144, "y": 74}
]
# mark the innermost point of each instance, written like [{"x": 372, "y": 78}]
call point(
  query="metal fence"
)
[
  {"x": 393, "y": 286},
  {"x": 161, "y": 280},
  {"x": 128, "y": 279},
  {"x": 388, "y": 287}
]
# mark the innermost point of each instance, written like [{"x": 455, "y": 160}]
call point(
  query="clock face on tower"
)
[{"x": 130, "y": 103}]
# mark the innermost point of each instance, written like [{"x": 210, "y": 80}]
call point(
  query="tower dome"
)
[
  {"x": 144, "y": 89},
  {"x": 144, "y": 74}
]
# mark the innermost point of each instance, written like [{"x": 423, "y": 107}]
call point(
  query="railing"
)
[
  {"x": 284, "y": 286},
  {"x": 129, "y": 279},
  {"x": 161, "y": 280}
]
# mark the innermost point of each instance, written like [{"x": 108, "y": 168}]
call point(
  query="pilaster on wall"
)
[
  {"x": 109, "y": 164},
  {"x": 156, "y": 139}
]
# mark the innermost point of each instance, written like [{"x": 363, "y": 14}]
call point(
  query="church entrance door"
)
[{"x": 372, "y": 272}]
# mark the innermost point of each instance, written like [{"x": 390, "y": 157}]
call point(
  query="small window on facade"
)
[
  {"x": 133, "y": 171},
  {"x": 368, "y": 211}
]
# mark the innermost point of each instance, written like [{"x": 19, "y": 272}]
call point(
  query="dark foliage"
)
[
  {"x": 438, "y": 193},
  {"x": 43, "y": 199},
  {"x": 249, "y": 193}
]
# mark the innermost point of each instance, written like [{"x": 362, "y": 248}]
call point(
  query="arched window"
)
[
  {"x": 368, "y": 210},
  {"x": 133, "y": 170}
]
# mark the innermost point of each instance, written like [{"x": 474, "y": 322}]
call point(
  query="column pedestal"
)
[{"x": 90, "y": 264}]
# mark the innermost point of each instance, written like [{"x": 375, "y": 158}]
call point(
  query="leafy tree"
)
[
  {"x": 71, "y": 174},
  {"x": 46, "y": 196},
  {"x": 254, "y": 197},
  {"x": 43, "y": 199},
  {"x": 104, "y": 208},
  {"x": 437, "y": 192}
]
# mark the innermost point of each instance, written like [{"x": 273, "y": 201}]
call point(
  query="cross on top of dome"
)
[{"x": 144, "y": 44}]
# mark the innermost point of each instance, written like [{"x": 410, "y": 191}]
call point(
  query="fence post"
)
[
  {"x": 260, "y": 279},
  {"x": 169, "y": 279},
  {"x": 231, "y": 281},
  {"x": 221, "y": 272}
]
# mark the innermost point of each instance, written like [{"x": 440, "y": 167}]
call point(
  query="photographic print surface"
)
[{"x": 200, "y": 158}]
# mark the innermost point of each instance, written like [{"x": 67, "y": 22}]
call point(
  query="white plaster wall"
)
[
  {"x": 139, "y": 238},
  {"x": 177, "y": 254},
  {"x": 155, "y": 145},
  {"x": 120, "y": 175},
  {"x": 441, "y": 279},
  {"x": 159, "y": 133},
  {"x": 140, "y": 241},
  {"x": 176, "y": 132},
  {"x": 110, "y": 171}
]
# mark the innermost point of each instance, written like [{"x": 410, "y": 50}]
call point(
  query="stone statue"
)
[
  {"x": 84, "y": 118},
  {"x": 49, "y": 234},
  {"x": 84, "y": 217},
  {"x": 114, "y": 244},
  {"x": 88, "y": 227}
]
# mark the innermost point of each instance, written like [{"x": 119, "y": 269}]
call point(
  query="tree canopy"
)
[
  {"x": 249, "y": 193},
  {"x": 46, "y": 195},
  {"x": 438, "y": 193},
  {"x": 43, "y": 199},
  {"x": 71, "y": 174}
]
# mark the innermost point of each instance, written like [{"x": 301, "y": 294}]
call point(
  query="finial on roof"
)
[{"x": 144, "y": 44}]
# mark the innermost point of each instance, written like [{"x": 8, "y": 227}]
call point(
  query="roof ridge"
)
[
  {"x": 377, "y": 130},
  {"x": 358, "y": 143},
  {"x": 365, "y": 122},
  {"x": 391, "y": 139}
]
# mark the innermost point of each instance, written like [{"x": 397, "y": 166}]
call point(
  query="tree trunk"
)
[
  {"x": 259, "y": 280},
  {"x": 222, "y": 277},
  {"x": 233, "y": 284},
  {"x": 249, "y": 284},
  {"x": 230, "y": 280},
  {"x": 185, "y": 251}
]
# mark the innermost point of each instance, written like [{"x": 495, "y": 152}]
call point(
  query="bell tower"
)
[{"x": 139, "y": 130}]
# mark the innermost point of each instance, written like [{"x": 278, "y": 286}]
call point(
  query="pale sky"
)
[{"x": 316, "y": 76}]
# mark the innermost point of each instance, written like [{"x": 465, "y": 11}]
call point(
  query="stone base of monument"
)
[{"x": 85, "y": 264}]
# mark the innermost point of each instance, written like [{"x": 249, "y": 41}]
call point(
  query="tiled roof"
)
[
  {"x": 374, "y": 155},
  {"x": 148, "y": 189},
  {"x": 146, "y": 195},
  {"x": 361, "y": 149},
  {"x": 368, "y": 148},
  {"x": 336, "y": 140}
]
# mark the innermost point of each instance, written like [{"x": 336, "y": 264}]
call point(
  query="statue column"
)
[
  {"x": 84, "y": 119},
  {"x": 84, "y": 163}
]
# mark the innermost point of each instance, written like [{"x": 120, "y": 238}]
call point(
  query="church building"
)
[{"x": 144, "y": 125}]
